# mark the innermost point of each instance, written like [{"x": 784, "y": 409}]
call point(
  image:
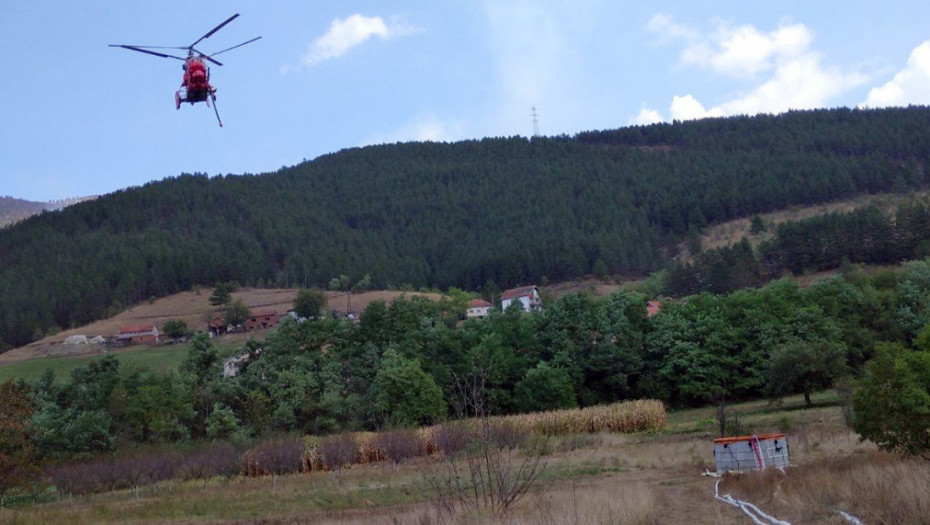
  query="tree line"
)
[
  {"x": 511, "y": 210},
  {"x": 398, "y": 365}
]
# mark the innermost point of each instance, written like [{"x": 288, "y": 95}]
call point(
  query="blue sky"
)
[{"x": 80, "y": 118}]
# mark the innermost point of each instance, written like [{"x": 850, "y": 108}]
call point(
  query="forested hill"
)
[{"x": 509, "y": 210}]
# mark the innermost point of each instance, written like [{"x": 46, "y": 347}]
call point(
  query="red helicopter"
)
[{"x": 195, "y": 86}]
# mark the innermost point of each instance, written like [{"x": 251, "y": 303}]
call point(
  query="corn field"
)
[
  {"x": 645, "y": 415},
  {"x": 624, "y": 417}
]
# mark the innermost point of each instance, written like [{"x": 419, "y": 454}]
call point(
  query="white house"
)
[
  {"x": 478, "y": 309},
  {"x": 528, "y": 296}
]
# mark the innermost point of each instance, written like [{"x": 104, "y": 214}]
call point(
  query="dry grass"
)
[
  {"x": 875, "y": 487},
  {"x": 590, "y": 478},
  {"x": 596, "y": 287}
]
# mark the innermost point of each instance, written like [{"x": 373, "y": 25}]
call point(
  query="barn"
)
[{"x": 139, "y": 334}]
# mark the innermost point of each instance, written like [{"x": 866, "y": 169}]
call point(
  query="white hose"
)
[
  {"x": 850, "y": 518},
  {"x": 754, "y": 513}
]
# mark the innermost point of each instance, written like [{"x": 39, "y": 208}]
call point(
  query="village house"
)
[
  {"x": 217, "y": 326},
  {"x": 261, "y": 319},
  {"x": 138, "y": 334},
  {"x": 478, "y": 309},
  {"x": 528, "y": 296}
]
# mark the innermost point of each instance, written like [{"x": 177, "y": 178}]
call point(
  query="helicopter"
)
[{"x": 195, "y": 85}]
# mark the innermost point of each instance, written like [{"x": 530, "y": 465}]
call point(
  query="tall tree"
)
[{"x": 310, "y": 303}]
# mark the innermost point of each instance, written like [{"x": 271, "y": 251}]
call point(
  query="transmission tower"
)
[{"x": 535, "y": 121}]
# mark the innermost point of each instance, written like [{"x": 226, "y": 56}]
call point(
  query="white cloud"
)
[
  {"x": 801, "y": 83},
  {"x": 911, "y": 85},
  {"x": 349, "y": 32},
  {"x": 745, "y": 51},
  {"x": 423, "y": 128},
  {"x": 741, "y": 51},
  {"x": 687, "y": 108},
  {"x": 664, "y": 26},
  {"x": 782, "y": 70},
  {"x": 646, "y": 116}
]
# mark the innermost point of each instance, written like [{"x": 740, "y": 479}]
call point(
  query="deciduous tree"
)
[{"x": 892, "y": 405}]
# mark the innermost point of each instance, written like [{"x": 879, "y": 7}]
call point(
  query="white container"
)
[{"x": 746, "y": 453}]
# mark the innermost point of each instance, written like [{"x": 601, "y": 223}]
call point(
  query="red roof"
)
[
  {"x": 264, "y": 313},
  {"x": 653, "y": 307},
  {"x": 513, "y": 293},
  {"x": 136, "y": 329},
  {"x": 478, "y": 303}
]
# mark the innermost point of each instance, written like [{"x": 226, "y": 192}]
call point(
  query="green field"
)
[{"x": 160, "y": 358}]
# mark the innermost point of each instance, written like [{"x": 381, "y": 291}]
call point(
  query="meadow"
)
[
  {"x": 603, "y": 477},
  {"x": 160, "y": 358}
]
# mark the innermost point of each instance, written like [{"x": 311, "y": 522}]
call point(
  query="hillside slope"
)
[
  {"x": 13, "y": 210},
  {"x": 510, "y": 210},
  {"x": 192, "y": 307}
]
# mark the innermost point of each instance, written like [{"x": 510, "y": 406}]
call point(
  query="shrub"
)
[
  {"x": 450, "y": 438},
  {"x": 398, "y": 445},
  {"x": 175, "y": 328},
  {"x": 211, "y": 460},
  {"x": 278, "y": 456},
  {"x": 892, "y": 406},
  {"x": 545, "y": 388},
  {"x": 337, "y": 451}
]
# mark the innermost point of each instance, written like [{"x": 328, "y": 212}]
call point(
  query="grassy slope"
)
[
  {"x": 731, "y": 232},
  {"x": 600, "y": 478},
  {"x": 193, "y": 308},
  {"x": 164, "y": 358}
]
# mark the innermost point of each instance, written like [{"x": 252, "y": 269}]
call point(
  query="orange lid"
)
[{"x": 737, "y": 439}]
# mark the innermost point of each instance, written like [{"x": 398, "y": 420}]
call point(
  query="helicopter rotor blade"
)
[
  {"x": 141, "y": 50},
  {"x": 206, "y": 57},
  {"x": 214, "y": 30},
  {"x": 234, "y": 47},
  {"x": 152, "y": 47}
]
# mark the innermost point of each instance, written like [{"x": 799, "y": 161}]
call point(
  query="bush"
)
[
  {"x": 405, "y": 393},
  {"x": 337, "y": 451},
  {"x": 211, "y": 460},
  {"x": 545, "y": 388},
  {"x": 398, "y": 445},
  {"x": 278, "y": 456},
  {"x": 892, "y": 406},
  {"x": 175, "y": 328},
  {"x": 450, "y": 438}
]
